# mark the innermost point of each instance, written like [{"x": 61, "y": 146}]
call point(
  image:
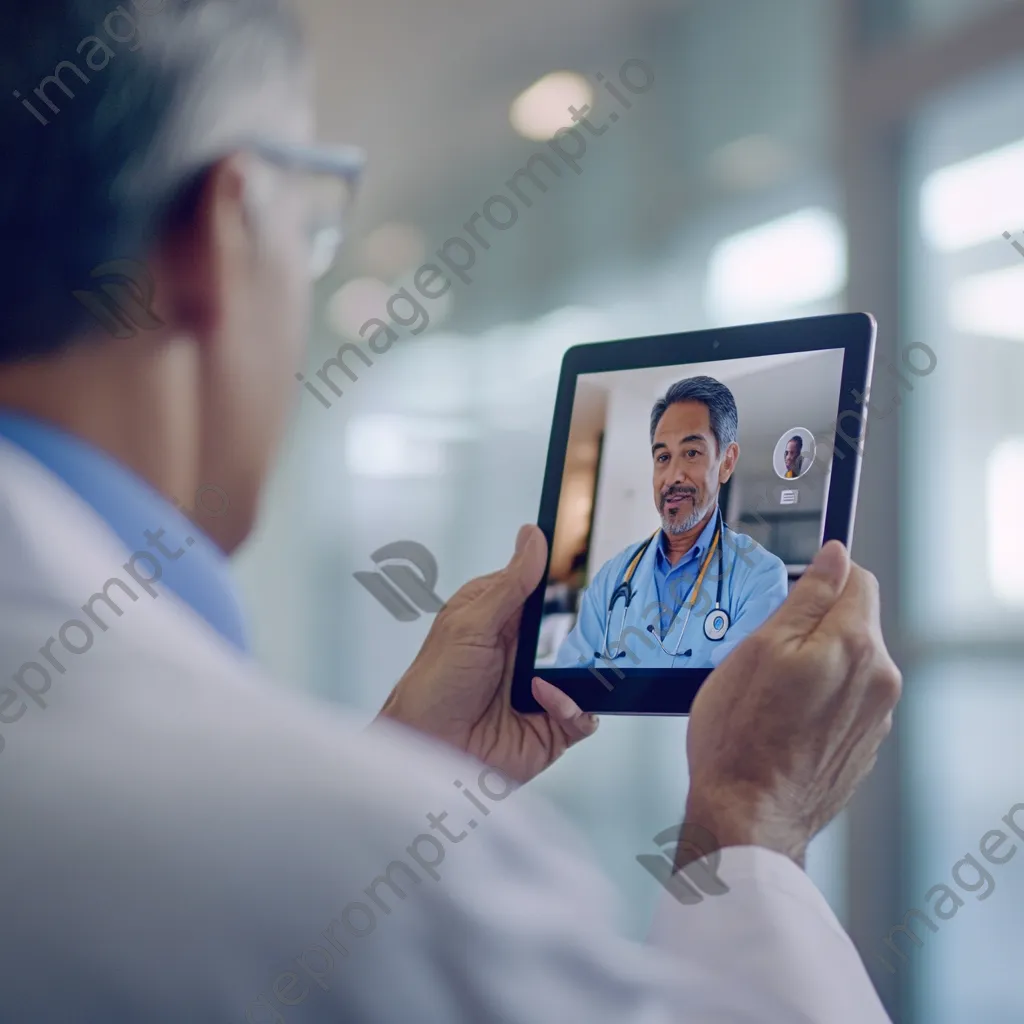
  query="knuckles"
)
[
  {"x": 761, "y": 646},
  {"x": 859, "y": 647},
  {"x": 450, "y": 624},
  {"x": 885, "y": 727},
  {"x": 869, "y": 579},
  {"x": 888, "y": 683}
]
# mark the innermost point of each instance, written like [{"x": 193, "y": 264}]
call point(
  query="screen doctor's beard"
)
[{"x": 675, "y": 526}]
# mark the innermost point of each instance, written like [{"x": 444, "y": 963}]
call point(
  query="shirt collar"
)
[
  {"x": 697, "y": 551},
  {"x": 131, "y": 508}
]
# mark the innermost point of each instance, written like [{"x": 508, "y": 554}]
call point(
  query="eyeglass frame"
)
[
  {"x": 344, "y": 162},
  {"x": 341, "y": 161}
]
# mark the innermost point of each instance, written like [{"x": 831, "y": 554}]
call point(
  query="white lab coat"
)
[{"x": 178, "y": 839}]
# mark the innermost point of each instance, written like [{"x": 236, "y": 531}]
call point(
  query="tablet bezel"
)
[{"x": 657, "y": 691}]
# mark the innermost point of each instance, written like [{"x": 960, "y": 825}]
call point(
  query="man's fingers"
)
[
  {"x": 564, "y": 711},
  {"x": 858, "y": 608},
  {"x": 511, "y": 586},
  {"x": 815, "y": 593}
]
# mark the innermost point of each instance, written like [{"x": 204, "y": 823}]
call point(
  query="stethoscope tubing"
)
[{"x": 625, "y": 590}]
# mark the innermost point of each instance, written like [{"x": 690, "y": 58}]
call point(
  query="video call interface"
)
[{"x": 692, "y": 499}]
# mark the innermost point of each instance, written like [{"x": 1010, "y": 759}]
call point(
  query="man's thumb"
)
[
  {"x": 817, "y": 591},
  {"x": 522, "y": 537},
  {"x": 514, "y": 584}
]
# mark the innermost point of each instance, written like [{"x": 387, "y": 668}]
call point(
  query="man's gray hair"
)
[
  {"x": 725, "y": 420},
  {"x": 99, "y": 156}
]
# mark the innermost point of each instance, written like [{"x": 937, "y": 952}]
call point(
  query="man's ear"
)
[
  {"x": 728, "y": 467},
  {"x": 207, "y": 254}
]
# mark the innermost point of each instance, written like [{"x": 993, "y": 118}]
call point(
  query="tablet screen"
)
[{"x": 692, "y": 498}]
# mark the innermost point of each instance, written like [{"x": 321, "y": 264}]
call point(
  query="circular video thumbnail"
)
[{"x": 794, "y": 454}]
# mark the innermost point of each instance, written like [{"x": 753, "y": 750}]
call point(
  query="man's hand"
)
[
  {"x": 459, "y": 687},
  {"x": 782, "y": 733}
]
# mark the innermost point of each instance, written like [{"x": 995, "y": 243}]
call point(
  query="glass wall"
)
[
  {"x": 932, "y": 17},
  {"x": 964, "y": 597},
  {"x": 966, "y": 165}
]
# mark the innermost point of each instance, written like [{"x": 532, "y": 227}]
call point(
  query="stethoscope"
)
[{"x": 716, "y": 622}]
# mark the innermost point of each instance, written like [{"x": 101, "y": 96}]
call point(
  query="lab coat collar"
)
[
  {"x": 55, "y": 547},
  {"x": 131, "y": 507}
]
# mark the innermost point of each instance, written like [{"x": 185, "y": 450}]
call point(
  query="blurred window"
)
[
  {"x": 963, "y": 490},
  {"x": 777, "y": 269},
  {"x": 926, "y": 19},
  {"x": 963, "y": 971},
  {"x": 964, "y": 559},
  {"x": 929, "y": 17}
]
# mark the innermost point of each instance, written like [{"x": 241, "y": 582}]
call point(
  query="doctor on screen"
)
[{"x": 687, "y": 595}]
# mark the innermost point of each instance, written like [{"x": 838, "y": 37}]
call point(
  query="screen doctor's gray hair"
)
[
  {"x": 108, "y": 113},
  {"x": 715, "y": 395}
]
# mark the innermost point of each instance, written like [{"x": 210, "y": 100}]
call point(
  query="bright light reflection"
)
[
  {"x": 990, "y": 305},
  {"x": 396, "y": 447},
  {"x": 356, "y": 302},
  {"x": 538, "y": 112},
  {"x": 1005, "y": 538},
  {"x": 779, "y": 266},
  {"x": 974, "y": 201},
  {"x": 392, "y": 249}
]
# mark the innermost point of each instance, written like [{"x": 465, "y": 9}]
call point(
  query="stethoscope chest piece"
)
[{"x": 716, "y": 625}]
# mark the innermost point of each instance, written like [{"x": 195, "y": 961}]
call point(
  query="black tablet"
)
[{"x": 690, "y": 480}]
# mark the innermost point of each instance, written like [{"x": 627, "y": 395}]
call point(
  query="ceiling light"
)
[
  {"x": 399, "y": 447},
  {"x": 778, "y": 267},
  {"x": 392, "y": 249},
  {"x": 1005, "y": 540},
  {"x": 438, "y": 310},
  {"x": 542, "y": 109},
  {"x": 356, "y": 302},
  {"x": 989, "y": 304},
  {"x": 753, "y": 162},
  {"x": 974, "y": 201}
]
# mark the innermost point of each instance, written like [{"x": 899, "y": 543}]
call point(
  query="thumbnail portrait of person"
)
[
  {"x": 686, "y": 595},
  {"x": 794, "y": 454}
]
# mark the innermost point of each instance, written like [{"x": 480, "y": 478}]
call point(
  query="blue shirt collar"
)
[
  {"x": 132, "y": 508},
  {"x": 697, "y": 551}
]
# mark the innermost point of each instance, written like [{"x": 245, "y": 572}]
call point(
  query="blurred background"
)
[{"x": 791, "y": 157}]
